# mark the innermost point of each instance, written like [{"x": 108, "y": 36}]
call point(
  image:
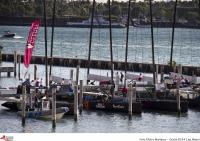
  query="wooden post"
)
[
  {"x": 77, "y": 74},
  {"x": 75, "y": 102},
  {"x": 15, "y": 63},
  {"x": 157, "y": 67},
  {"x": 162, "y": 74},
  {"x": 29, "y": 77},
  {"x": 53, "y": 107},
  {"x": 80, "y": 101},
  {"x": 8, "y": 74},
  {"x": 177, "y": 90},
  {"x": 19, "y": 61},
  {"x": 23, "y": 103},
  {"x": 1, "y": 54},
  {"x": 130, "y": 101},
  {"x": 71, "y": 74},
  {"x": 35, "y": 72}
]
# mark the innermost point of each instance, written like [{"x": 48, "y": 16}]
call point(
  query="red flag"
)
[{"x": 31, "y": 42}]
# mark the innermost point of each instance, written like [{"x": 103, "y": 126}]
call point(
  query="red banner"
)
[{"x": 31, "y": 42}]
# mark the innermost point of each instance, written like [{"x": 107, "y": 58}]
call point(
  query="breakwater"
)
[{"x": 101, "y": 64}]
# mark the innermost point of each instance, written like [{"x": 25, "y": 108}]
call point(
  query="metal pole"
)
[
  {"x": 45, "y": 38},
  {"x": 90, "y": 42},
  {"x": 53, "y": 107},
  {"x": 52, "y": 35},
  {"x": 111, "y": 51},
  {"x": 127, "y": 35},
  {"x": 173, "y": 29},
  {"x": 152, "y": 43}
]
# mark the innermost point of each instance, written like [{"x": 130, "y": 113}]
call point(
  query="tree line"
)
[{"x": 162, "y": 10}]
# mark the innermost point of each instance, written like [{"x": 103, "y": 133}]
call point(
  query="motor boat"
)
[{"x": 8, "y": 34}]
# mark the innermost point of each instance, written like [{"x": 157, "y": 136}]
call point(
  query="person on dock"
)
[
  {"x": 124, "y": 91},
  {"x": 63, "y": 81},
  {"x": 140, "y": 78},
  {"x": 121, "y": 77},
  {"x": 41, "y": 82}
]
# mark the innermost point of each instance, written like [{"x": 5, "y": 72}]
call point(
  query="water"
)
[
  {"x": 74, "y": 42},
  {"x": 96, "y": 121},
  {"x": 71, "y": 42},
  {"x": 101, "y": 122}
]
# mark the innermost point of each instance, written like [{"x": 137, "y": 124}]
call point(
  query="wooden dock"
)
[{"x": 100, "y": 64}]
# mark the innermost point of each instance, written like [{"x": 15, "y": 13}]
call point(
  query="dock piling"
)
[
  {"x": 15, "y": 63},
  {"x": 19, "y": 61},
  {"x": 35, "y": 72},
  {"x": 177, "y": 90},
  {"x": 23, "y": 103},
  {"x": 53, "y": 107},
  {"x": 80, "y": 101},
  {"x": 77, "y": 74},
  {"x": 75, "y": 102},
  {"x": 130, "y": 100},
  {"x": 71, "y": 74}
]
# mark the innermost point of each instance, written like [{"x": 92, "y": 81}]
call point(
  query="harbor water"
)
[
  {"x": 96, "y": 121},
  {"x": 73, "y": 42}
]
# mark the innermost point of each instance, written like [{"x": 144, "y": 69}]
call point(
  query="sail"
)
[{"x": 31, "y": 42}]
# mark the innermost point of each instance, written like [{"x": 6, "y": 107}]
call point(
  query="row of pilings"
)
[{"x": 101, "y": 64}]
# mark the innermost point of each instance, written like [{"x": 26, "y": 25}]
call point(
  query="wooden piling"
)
[
  {"x": 35, "y": 72},
  {"x": 177, "y": 90},
  {"x": 80, "y": 101},
  {"x": 23, "y": 103},
  {"x": 75, "y": 102},
  {"x": 19, "y": 61},
  {"x": 130, "y": 101},
  {"x": 15, "y": 63},
  {"x": 53, "y": 107},
  {"x": 161, "y": 74},
  {"x": 157, "y": 67},
  {"x": 77, "y": 74},
  {"x": 71, "y": 74}
]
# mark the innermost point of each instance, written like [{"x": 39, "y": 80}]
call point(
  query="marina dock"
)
[{"x": 100, "y": 64}]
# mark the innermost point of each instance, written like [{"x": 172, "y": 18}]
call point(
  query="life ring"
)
[{"x": 86, "y": 105}]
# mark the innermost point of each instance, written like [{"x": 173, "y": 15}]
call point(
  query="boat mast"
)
[
  {"x": 127, "y": 34},
  {"x": 52, "y": 35},
  {"x": 111, "y": 51},
  {"x": 152, "y": 43},
  {"x": 173, "y": 28},
  {"x": 45, "y": 40},
  {"x": 90, "y": 42}
]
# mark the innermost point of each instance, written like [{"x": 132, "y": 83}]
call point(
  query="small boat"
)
[
  {"x": 45, "y": 114},
  {"x": 98, "y": 22},
  {"x": 8, "y": 34}
]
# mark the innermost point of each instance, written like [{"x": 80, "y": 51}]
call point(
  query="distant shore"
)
[{"x": 62, "y": 22}]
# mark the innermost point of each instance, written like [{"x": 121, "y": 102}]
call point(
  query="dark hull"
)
[
  {"x": 11, "y": 105},
  {"x": 113, "y": 107},
  {"x": 164, "y": 105},
  {"x": 9, "y": 35}
]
